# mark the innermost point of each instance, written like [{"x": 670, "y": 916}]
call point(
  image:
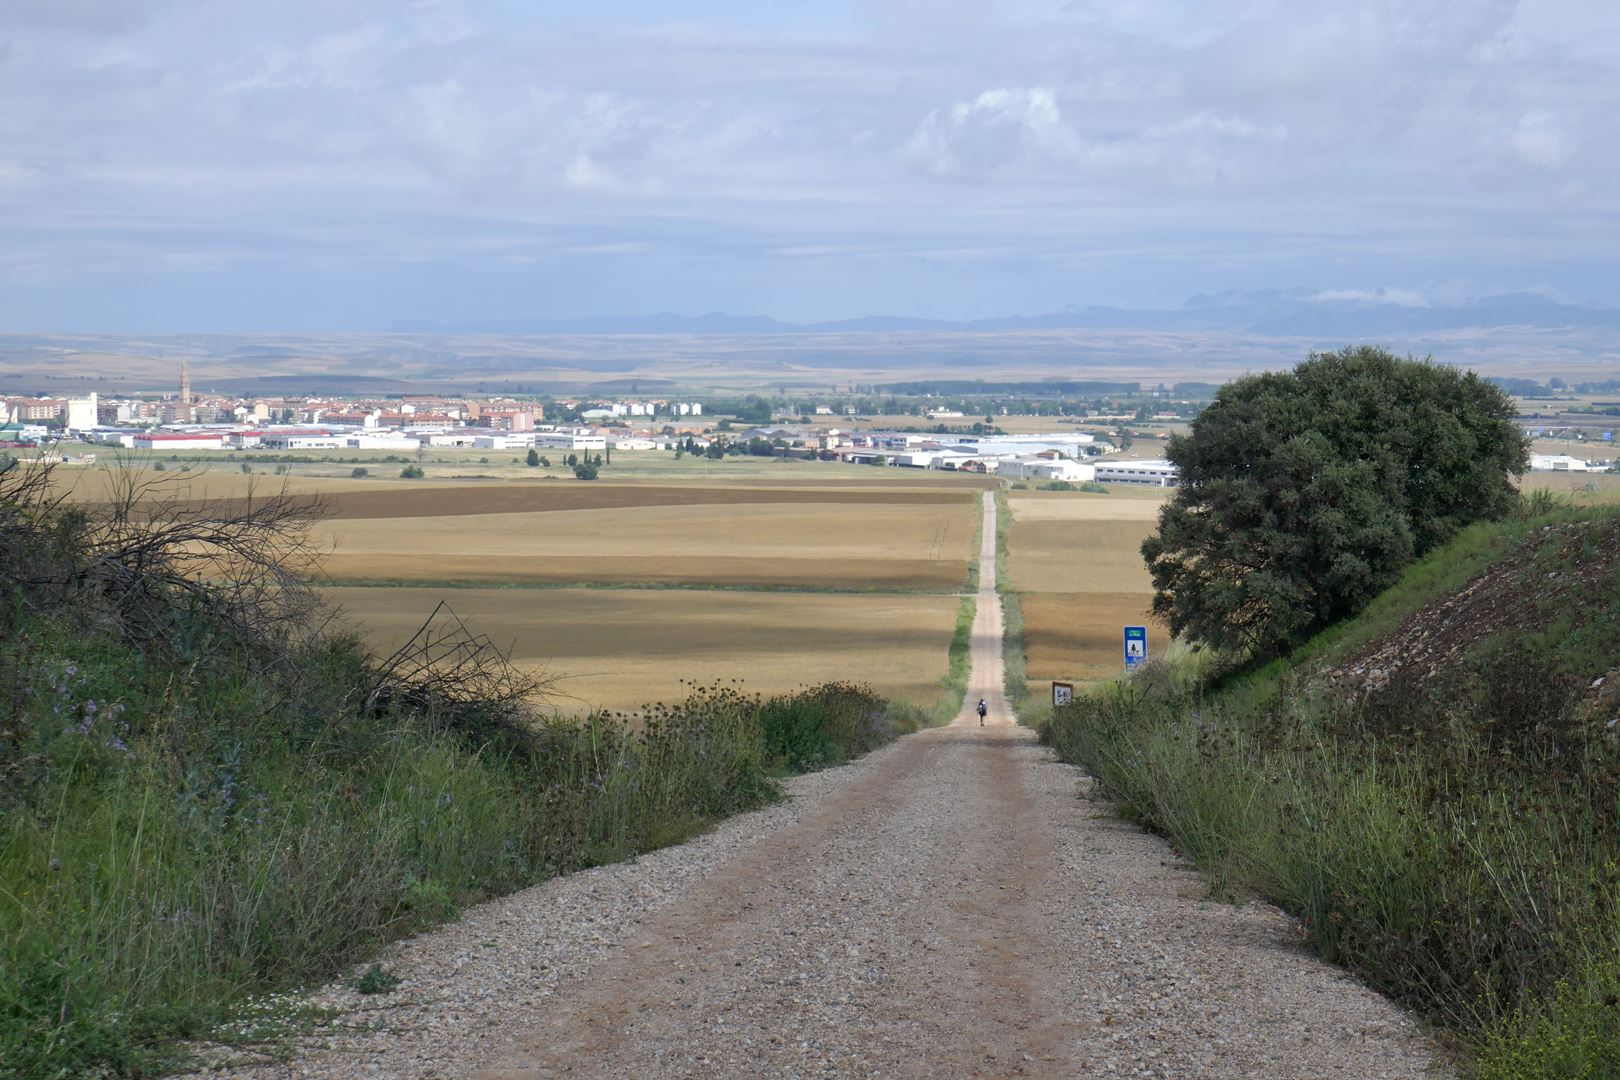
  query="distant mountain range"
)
[{"x": 1300, "y": 312}]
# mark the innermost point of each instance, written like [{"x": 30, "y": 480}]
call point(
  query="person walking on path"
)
[{"x": 983, "y": 708}]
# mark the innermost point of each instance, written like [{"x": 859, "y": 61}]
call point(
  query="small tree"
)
[
  {"x": 534, "y": 458},
  {"x": 585, "y": 472},
  {"x": 412, "y": 472},
  {"x": 545, "y": 462},
  {"x": 359, "y": 471}
]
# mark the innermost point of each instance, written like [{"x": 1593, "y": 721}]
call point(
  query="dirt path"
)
[{"x": 946, "y": 907}]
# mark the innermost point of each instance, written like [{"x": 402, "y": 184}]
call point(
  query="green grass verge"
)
[
  {"x": 1454, "y": 840},
  {"x": 184, "y": 832}
]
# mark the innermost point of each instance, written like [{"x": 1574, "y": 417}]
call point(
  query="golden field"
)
[
  {"x": 1079, "y": 543},
  {"x": 1079, "y": 636},
  {"x": 836, "y": 544},
  {"x": 793, "y": 577},
  {"x": 620, "y": 648},
  {"x": 881, "y": 539},
  {"x": 1076, "y": 560}
]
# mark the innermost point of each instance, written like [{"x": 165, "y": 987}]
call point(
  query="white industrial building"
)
[
  {"x": 168, "y": 440},
  {"x": 300, "y": 440},
  {"x": 1560, "y": 463},
  {"x": 568, "y": 440},
  {"x": 382, "y": 440},
  {"x": 80, "y": 414},
  {"x": 1151, "y": 473},
  {"x": 1047, "y": 468}
]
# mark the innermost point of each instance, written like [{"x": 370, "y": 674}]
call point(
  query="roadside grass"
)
[
  {"x": 953, "y": 685},
  {"x": 163, "y": 862},
  {"x": 1014, "y": 646},
  {"x": 1453, "y": 838},
  {"x": 972, "y": 584},
  {"x": 1003, "y": 525}
]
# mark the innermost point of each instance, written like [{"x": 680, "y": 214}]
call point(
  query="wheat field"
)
[{"x": 620, "y": 648}]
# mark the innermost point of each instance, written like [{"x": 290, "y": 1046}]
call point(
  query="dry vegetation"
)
[{"x": 621, "y": 648}]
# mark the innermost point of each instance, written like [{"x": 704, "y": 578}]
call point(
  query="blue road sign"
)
[{"x": 1135, "y": 645}]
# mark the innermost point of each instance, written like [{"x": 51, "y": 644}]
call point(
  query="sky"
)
[{"x": 324, "y": 165}]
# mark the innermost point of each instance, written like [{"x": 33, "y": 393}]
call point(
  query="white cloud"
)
[
  {"x": 1470, "y": 135},
  {"x": 1396, "y": 297},
  {"x": 1538, "y": 139},
  {"x": 995, "y": 132}
]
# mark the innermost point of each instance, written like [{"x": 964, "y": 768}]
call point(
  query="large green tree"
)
[{"x": 1303, "y": 493}]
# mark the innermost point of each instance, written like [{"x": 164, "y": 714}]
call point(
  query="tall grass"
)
[
  {"x": 1453, "y": 837},
  {"x": 168, "y": 849}
]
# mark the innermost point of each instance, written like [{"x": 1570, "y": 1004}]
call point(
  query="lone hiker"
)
[{"x": 983, "y": 708}]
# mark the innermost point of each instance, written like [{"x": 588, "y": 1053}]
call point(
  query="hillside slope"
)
[
  {"x": 1543, "y": 598},
  {"x": 1431, "y": 787}
]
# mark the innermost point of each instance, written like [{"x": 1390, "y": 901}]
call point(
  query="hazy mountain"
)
[
  {"x": 665, "y": 322},
  {"x": 1297, "y": 312}
]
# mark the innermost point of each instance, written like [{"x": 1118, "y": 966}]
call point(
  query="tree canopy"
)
[{"x": 1304, "y": 493}]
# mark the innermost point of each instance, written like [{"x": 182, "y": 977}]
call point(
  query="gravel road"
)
[{"x": 946, "y": 906}]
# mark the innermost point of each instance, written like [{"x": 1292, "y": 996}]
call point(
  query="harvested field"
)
[
  {"x": 1129, "y": 504},
  {"x": 726, "y": 571},
  {"x": 625, "y": 647},
  {"x": 1078, "y": 556},
  {"x": 1076, "y": 560},
  {"x": 798, "y": 542},
  {"x": 1079, "y": 636},
  {"x": 1585, "y": 489}
]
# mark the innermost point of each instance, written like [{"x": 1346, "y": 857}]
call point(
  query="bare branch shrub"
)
[
  {"x": 462, "y": 681},
  {"x": 148, "y": 549}
]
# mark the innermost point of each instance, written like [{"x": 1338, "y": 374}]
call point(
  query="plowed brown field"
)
[{"x": 865, "y": 554}]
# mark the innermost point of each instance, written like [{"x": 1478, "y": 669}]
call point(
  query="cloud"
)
[
  {"x": 1421, "y": 140},
  {"x": 1538, "y": 139},
  {"x": 996, "y": 131},
  {"x": 1408, "y": 298}
]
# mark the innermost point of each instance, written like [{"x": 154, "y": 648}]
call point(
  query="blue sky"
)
[{"x": 303, "y": 165}]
